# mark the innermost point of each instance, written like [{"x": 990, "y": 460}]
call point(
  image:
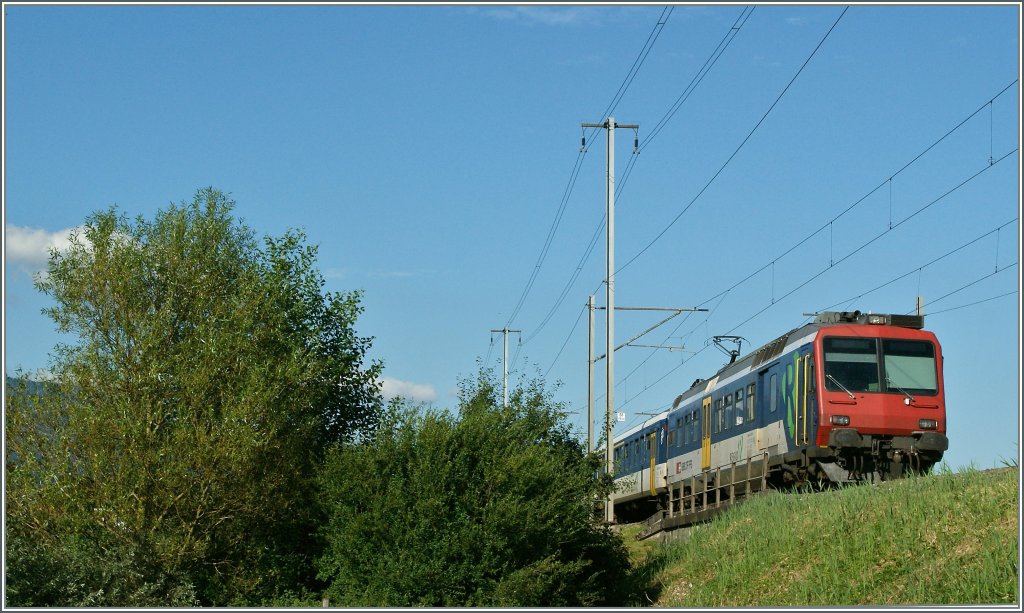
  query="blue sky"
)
[{"x": 429, "y": 151}]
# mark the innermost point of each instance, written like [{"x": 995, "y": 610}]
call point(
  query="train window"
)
[
  {"x": 728, "y": 412},
  {"x": 851, "y": 364},
  {"x": 910, "y": 366},
  {"x": 693, "y": 426},
  {"x": 686, "y": 429},
  {"x": 773, "y": 393},
  {"x": 716, "y": 423},
  {"x": 739, "y": 406},
  {"x": 750, "y": 401}
]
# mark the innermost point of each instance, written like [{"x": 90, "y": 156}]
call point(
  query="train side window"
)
[
  {"x": 739, "y": 406},
  {"x": 773, "y": 393},
  {"x": 686, "y": 429},
  {"x": 716, "y": 422},
  {"x": 694, "y": 425},
  {"x": 750, "y": 401},
  {"x": 810, "y": 366},
  {"x": 728, "y": 411}
]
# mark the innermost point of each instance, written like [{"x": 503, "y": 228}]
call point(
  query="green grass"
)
[{"x": 949, "y": 538}]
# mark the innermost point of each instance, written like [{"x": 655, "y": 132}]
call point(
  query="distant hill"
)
[{"x": 32, "y": 388}]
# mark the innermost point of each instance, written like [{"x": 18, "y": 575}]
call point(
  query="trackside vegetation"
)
[
  {"x": 490, "y": 507},
  {"x": 171, "y": 458},
  {"x": 212, "y": 434},
  {"x": 944, "y": 539}
]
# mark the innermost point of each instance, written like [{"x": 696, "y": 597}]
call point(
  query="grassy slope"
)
[{"x": 950, "y": 538}]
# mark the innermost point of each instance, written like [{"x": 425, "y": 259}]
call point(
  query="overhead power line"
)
[
  {"x": 972, "y": 283},
  {"x": 880, "y": 235},
  {"x": 639, "y": 61},
  {"x": 862, "y": 199},
  {"x": 744, "y": 142},
  {"x": 551, "y": 235},
  {"x": 697, "y": 78},
  {"x": 919, "y": 268},
  {"x": 964, "y": 306},
  {"x": 626, "y": 82},
  {"x": 559, "y": 354},
  {"x": 721, "y": 295}
]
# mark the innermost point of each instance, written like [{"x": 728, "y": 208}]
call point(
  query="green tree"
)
[
  {"x": 186, "y": 423},
  {"x": 493, "y": 507}
]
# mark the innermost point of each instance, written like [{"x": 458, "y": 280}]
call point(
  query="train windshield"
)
[
  {"x": 851, "y": 364},
  {"x": 910, "y": 366},
  {"x": 898, "y": 366}
]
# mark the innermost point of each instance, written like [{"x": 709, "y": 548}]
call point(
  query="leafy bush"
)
[
  {"x": 491, "y": 508},
  {"x": 179, "y": 440},
  {"x": 85, "y": 571}
]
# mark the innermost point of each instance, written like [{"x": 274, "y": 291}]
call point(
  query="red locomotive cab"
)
[{"x": 880, "y": 393}]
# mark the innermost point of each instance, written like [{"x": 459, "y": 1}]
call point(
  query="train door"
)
[
  {"x": 806, "y": 407},
  {"x": 810, "y": 395},
  {"x": 652, "y": 450},
  {"x": 705, "y": 439},
  {"x": 762, "y": 404}
]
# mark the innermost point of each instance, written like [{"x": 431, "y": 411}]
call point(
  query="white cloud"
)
[
  {"x": 341, "y": 274},
  {"x": 29, "y": 248},
  {"x": 544, "y": 15},
  {"x": 397, "y": 274},
  {"x": 419, "y": 392}
]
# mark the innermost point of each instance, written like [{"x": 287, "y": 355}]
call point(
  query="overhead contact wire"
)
[{"x": 744, "y": 142}]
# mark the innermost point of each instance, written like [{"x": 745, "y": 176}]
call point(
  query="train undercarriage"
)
[{"x": 850, "y": 458}]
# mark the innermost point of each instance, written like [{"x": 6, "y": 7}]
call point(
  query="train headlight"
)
[
  {"x": 928, "y": 424},
  {"x": 841, "y": 420},
  {"x": 876, "y": 319}
]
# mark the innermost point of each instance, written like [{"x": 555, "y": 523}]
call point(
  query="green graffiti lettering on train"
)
[{"x": 789, "y": 394}]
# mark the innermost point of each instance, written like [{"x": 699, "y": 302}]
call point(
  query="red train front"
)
[{"x": 880, "y": 402}]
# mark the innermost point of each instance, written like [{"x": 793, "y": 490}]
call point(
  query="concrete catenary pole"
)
[
  {"x": 590, "y": 378},
  {"x": 504, "y": 364},
  {"x": 609, "y": 514},
  {"x": 609, "y": 125}
]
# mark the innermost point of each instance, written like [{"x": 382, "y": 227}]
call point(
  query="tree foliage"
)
[
  {"x": 493, "y": 507},
  {"x": 177, "y": 448}
]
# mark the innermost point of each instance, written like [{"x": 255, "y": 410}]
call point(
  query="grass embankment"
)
[{"x": 949, "y": 538}]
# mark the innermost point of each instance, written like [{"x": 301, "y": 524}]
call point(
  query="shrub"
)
[{"x": 493, "y": 508}]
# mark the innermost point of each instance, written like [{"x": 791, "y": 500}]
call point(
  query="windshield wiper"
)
[
  {"x": 889, "y": 383},
  {"x": 842, "y": 387}
]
